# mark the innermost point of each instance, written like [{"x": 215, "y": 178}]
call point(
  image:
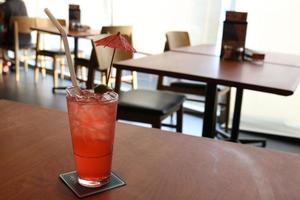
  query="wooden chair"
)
[
  {"x": 57, "y": 54},
  {"x": 143, "y": 105},
  {"x": 1, "y": 66},
  {"x": 21, "y": 29},
  {"x": 124, "y": 30},
  {"x": 104, "y": 55},
  {"x": 176, "y": 39},
  {"x": 119, "y": 55}
]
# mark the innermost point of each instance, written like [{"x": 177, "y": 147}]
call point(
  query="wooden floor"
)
[{"x": 40, "y": 93}]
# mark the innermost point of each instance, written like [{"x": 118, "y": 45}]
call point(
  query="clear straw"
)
[{"x": 66, "y": 45}]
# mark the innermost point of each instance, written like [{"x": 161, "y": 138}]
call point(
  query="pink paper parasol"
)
[{"x": 116, "y": 41}]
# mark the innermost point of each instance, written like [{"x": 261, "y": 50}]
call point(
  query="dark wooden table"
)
[
  {"x": 203, "y": 49},
  {"x": 270, "y": 78},
  {"x": 270, "y": 57},
  {"x": 75, "y": 34},
  {"x": 35, "y": 147},
  {"x": 282, "y": 59}
]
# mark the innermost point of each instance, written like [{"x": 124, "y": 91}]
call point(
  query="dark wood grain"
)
[
  {"x": 292, "y": 60},
  {"x": 35, "y": 147},
  {"x": 283, "y": 59},
  {"x": 203, "y": 49},
  {"x": 266, "y": 77},
  {"x": 78, "y": 34}
]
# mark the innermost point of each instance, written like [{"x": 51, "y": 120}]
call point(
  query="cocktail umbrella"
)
[{"x": 116, "y": 41}]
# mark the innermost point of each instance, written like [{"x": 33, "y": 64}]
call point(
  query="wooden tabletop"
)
[
  {"x": 35, "y": 147},
  {"x": 203, "y": 49},
  {"x": 270, "y": 57},
  {"x": 53, "y": 30},
  {"x": 284, "y": 59},
  {"x": 265, "y": 77}
]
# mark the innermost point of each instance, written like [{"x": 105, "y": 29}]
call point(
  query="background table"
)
[
  {"x": 203, "y": 49},
  {"x": 76, "y": 35},
  {"x": 270, "y": 57},
  {"x": 287, "y": 60},
  {"x": 35, "y": 147},
  {"x": 265, "y": 77}
]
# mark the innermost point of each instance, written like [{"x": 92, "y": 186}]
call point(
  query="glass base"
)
[{"x": 93, "y": 184}]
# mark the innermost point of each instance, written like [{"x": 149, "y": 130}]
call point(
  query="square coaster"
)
[{"x": 70, "y": 179}]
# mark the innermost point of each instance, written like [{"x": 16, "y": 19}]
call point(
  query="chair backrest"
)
[
  {"x": 104, "y": 54},
  {"x": 21, "y": 26},
  {"x": 23, "y": 23},
  {"x": 124, "y": 30},
  {"x": 176, "y": 39},
  {"x": 44, "y": 22}
]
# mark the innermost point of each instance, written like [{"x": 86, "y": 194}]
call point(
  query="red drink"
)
[{"x": 92, "y": 123}]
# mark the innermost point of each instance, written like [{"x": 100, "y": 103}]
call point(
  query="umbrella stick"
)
[
  {"x": 66, "y": 45},
  {"x": 110, "y": 66}
]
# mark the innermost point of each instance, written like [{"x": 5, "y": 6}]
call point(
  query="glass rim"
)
[{"x": 114, "y": 98}]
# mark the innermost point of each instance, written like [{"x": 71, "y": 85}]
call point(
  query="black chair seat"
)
[
  {"x": 193, "y": 86},
  {"x": 21, "y": 46},
  {"x": 24, "y": 41},
  {"x": 185, "y": 85},
  {"x": 150, "y": 102},
  {"x": 54, "y": 52},
  {"x": 27, "y": 46},
  {"x": 51, "y": 52}
]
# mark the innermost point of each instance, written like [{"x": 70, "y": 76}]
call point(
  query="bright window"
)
[{"x": 272, "y": 26}]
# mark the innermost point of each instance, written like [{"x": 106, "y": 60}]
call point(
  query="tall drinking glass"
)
[{"x": 92, "y": 120}]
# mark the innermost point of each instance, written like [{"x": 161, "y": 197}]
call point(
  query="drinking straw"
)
[{"x": 66, "y": 45}]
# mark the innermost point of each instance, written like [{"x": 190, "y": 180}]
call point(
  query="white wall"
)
[
  {"x": 93, "y": 13},
  {"x": 151, "y": 19},
  {"x": 273, "y": 25}
]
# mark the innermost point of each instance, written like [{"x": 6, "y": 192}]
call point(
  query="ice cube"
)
[
  {"x": 80, "y": 95},
  {"x": 108, "y": 96},
  {"x": 74, "y": 91}
]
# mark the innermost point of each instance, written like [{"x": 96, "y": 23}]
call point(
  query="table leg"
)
[
  {"x": 91, "y": 70},
  {"x": 75, "y": 48},
  {"x": 237, "y": 114},
  {"x": 118, "y": 81},
  {"x": 209, "y": 119}
]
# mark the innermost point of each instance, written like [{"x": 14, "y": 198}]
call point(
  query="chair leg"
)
[
  {"x": 26, "y": 58},
  {"x": 134, "y": 80},
  {"x": 36, "y": 69},
  {"x": 83, "y": 73},
  {"x": 227, "y": 112},
  {"x": 1, "y": 67},
  {"x": 43, "y": 66},
  {"x": 156, "y": 124},
  {"x": 262, "y": 142},
  {"x": 103, "y": 78},
  {"x": 16, "y": 50},
  {"x": 172, "y": 118},
  {"x": 62, "y": 68},
  {"x": 179, "y": 119},
  {"x": 17, "y": 65},
  {"x": 111, "y": 77},
  {"x": 55, "y": 72}
]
